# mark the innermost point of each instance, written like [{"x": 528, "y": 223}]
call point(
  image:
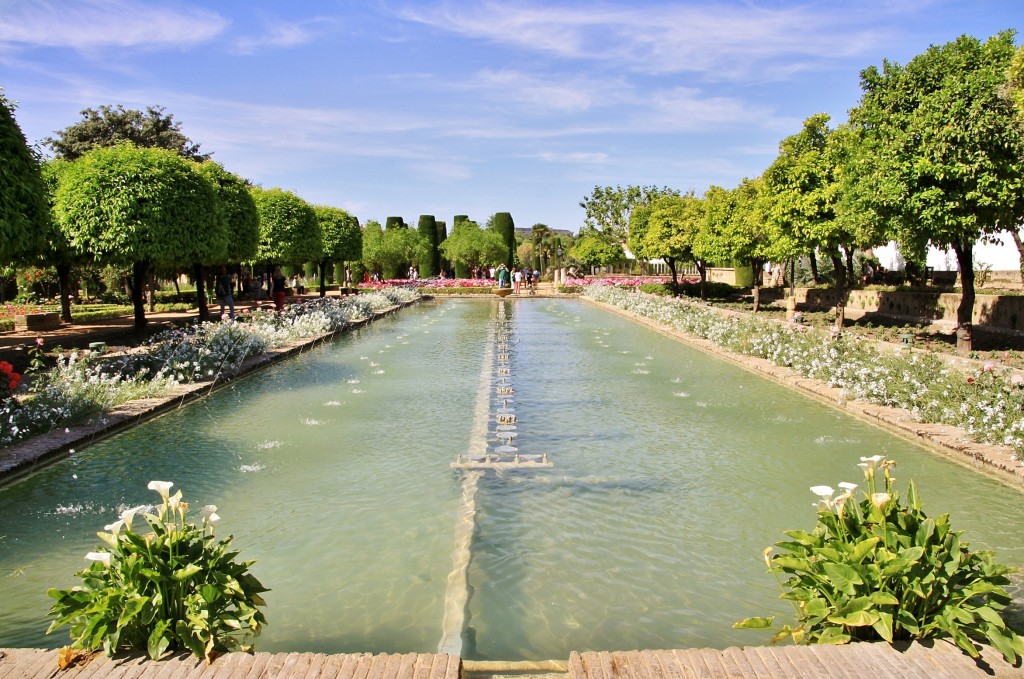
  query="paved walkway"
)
[{"x": 932, "y": 660}]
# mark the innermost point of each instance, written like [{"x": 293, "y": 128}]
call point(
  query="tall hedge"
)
[
  {"x": 395, "y": 223},
  {"x": 461, "y": 268},
  {"x": 507, "y": 228},
  {"x": 431, "y": 265}
]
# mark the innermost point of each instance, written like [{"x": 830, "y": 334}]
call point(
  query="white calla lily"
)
[
  {"x": 162, "y": 487},
  {"x": 102, "y": 557},
  {"x": 823, "y": 491},
  {"x": 880, "y": 499}
]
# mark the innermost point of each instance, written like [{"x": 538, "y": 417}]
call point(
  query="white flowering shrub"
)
[{"x": 988, "y": 403}]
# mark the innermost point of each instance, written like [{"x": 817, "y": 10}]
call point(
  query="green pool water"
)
[{"x": 672, "y": 471}]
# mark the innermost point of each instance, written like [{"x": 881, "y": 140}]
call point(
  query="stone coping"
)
[
  {"x": 32, "y": 454},
  {"x": 995, "y": 461}
]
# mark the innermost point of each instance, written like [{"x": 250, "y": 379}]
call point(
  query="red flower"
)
[
  {"x": 6, "y": 367},
  {"x": 15, "y": 380},
  {"x": 970, "y": 380}
]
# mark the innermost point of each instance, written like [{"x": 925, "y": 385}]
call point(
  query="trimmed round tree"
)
[
  {"x": 140, "y": 207},
  {"x": 431, "y": 265},
  {"x": 289, "y": 230},
  {"x": 342, "y": 239},
  {"x": 24, "y": 199},
  {"x": 241, "y": 225},
  {"x": 507, "y": 228}
]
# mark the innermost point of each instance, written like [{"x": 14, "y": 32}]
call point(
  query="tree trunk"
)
[
  {"x": 1020, "y": 251},
  {"x": 675, "y": 279},
  {"x": 64, "y": 285},
  {"x": 702, "y": 269},
  {"x": 151, "y": 290},
  {"x": 138, "y": 284},
  {"x": 792, "y": 277},
  {"x": 965, "y": 312},
  {"x": 177, "y": 288},
  {"x": 323, "y": 277},
  {"x": 840, "y": 270},
  {"x": 200, "y": 276},
  {"x": 849, "y": 264},
  {"x": 814, "y": 268},
  {"x": 757, "y": 269}
]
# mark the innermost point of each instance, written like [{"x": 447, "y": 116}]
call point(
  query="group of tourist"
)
[
  {"x": 277, "y": 288},
  {"x": 517, "y": 277}
]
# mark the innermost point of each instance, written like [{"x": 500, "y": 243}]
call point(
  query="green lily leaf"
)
[{"x": 754, "y": 623}]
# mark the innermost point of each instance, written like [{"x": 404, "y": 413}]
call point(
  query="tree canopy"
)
[
  {"x": 469, "y": 245},
  {"x": 289, "y": 230},
  {"x": 342, "y": 239},
  {"x": 939, "y": 148},
  {"x": 238, "y": 210},
  {"x": 138, "y": 207},
  {"x": 608, "y": 209},
  {"x": 113, "y": 125},
  {"x": 24, "y": 199}
]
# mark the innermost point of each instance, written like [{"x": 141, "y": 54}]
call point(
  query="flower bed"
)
[
  {"x": 987, "y": 403},
  {"x": 84, "y": 385}
]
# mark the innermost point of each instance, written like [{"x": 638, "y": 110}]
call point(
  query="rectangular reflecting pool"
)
[{"x": 672, "y": 470}]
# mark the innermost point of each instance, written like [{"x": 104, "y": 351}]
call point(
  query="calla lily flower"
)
[
  {"x": 102, "y": 557},
  {"x": 846, "y": 485},
  {"x": 879, "y": 499},
  {"x": 162, "y": 487},
  {"x": 823, "y": 491}
]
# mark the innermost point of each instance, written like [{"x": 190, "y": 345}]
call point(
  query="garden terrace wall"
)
[{"x": 1004, "y": 312}]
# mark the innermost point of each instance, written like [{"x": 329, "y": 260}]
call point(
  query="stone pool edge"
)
[
  {"x": 38, "y": 452},
  {"x": 991, "y": 460}
]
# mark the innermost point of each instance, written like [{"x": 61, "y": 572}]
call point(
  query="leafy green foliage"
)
[
  {"x": 939, "y": 158},
  {"x": 289, "y": 229},
  {"x": 595, "y": 248},
  {"x": 389, "y": 251},
  {"x": 139, "y": 207},
  {"x": 238, "y": 211},
  {"x": 111, "y": 126},
  {"x": 24, "y": 205},
  {"x": 127, "y": 204},
  {"x": 468, "y": 245},
  {"x": 174, "y": 586},
  {"x": 608, "y": 209},
  {"x": 875, "y": 568}
]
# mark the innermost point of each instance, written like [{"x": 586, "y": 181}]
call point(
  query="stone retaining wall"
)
[{"x": 1005, "y": 312}]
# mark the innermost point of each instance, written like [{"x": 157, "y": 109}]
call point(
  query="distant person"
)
[
  {"x": 348, "y": 277},
  {"x": 223, "y": 288},
  {"x": 517, "y": 280},
  {"x": 298, "y": 285},
  {"x": 278, "y": 288},
  {"x": 502, "y": 274}
]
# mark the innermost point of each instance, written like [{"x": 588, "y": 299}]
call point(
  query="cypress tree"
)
[
  {"x": 427, "y": 226},
  {"x": 507, "y": 228}
]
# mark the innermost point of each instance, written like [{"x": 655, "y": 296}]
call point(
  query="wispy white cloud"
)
[
  {"x": 284, "y": 34},
  {"x": 93, "y": 24},
  {"x": 717, "y": 40},
  {"x": 576, "y": 157}
]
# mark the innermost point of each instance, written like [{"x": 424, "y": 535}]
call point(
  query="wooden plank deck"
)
[
  {"x": 937, "y": 660},
  {"x": 31, "y": 663}
]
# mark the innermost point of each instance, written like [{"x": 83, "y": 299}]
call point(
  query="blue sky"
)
[{"x": 395, "y": 107}]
